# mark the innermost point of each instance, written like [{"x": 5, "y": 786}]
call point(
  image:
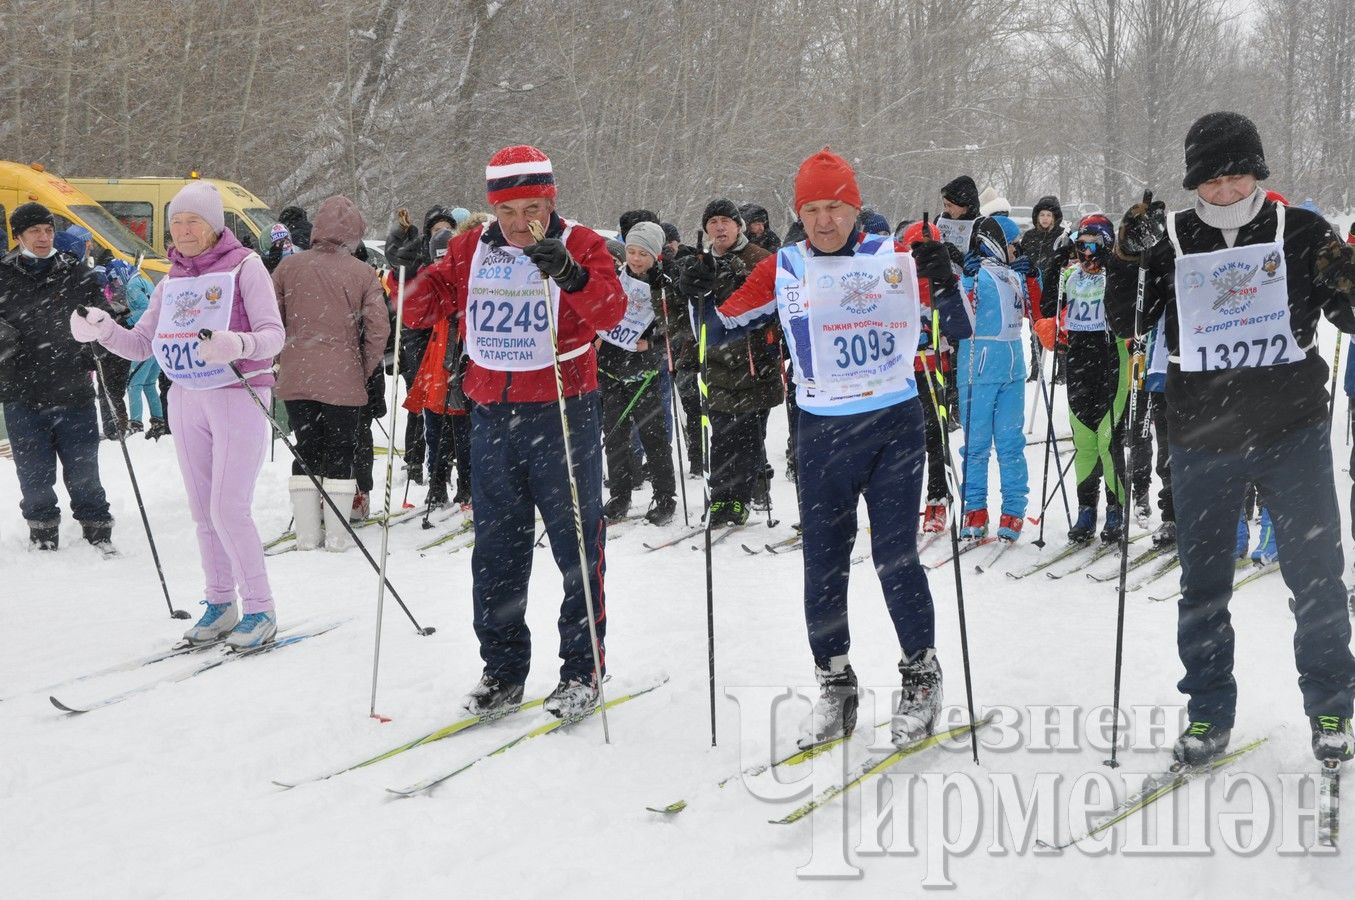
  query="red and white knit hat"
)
[{"x": 518, "y": 172}]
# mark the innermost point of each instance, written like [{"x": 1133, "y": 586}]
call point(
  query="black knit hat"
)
[
  {"x": 29, "y": 214},
  {"x": 721, "y": 207},
  {"x": 670, "y": 232},
  {"x": 1223, "y": 143},
  {"x": 634, "y": 217},
  {"x": 962, "y": 192}
]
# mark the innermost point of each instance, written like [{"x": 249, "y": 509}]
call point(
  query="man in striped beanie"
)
[{"x": 490, "y": 286}]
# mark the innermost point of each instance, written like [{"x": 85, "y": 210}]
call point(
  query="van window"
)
[
  {"x": 169, "y": 239},
  {"x": 241, "y": 229},
  {"x": 137, "y": 216},
  {"x": 113, "y": 231},
  {"x": 4, "y": 229}
]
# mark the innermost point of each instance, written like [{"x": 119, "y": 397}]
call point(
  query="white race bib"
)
[
  {"x": 1011, "y": 300},
  {"x": 1232, "y": 306},
  {"x": 639, "y": 314},
  {"x": 187, "y": 306},
  {"x": 956, "y": 232},
  {"x": 1085, "y": 295},
  {"x": 862, "y": 325},
  {"x": 507, "y": 328}
]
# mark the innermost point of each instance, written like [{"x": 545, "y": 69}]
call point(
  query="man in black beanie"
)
[
  {"x": 1243, "y": 282},
  {"x": 960, "y": 207},
  {"x": 47, "y": 392}
]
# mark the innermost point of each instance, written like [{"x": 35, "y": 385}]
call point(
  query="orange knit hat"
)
[{"x": 826, "y": 176}]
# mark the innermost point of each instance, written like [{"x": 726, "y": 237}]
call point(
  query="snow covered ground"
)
[{"x": 169, "y": 793}]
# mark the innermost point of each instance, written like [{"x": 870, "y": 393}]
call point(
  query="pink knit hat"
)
[{"x": 202, "y": 198}]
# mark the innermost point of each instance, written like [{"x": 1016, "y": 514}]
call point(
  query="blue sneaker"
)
[
  {"x": 1243, "y": 539},
  {"x": 1084, "y": 529},
  {"x": 1266, "y": 552},
  {"x": 254, "y": 630},
  {"x": 215, "y": 623}
]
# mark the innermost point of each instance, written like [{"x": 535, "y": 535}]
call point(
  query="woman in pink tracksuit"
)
[{"x": 220, "y": 435}]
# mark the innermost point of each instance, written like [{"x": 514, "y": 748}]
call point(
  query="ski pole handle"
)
[{"x": 205, "y": 334}]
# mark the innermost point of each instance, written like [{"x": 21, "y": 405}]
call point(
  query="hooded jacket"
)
[{"x": 334, "y": 312}]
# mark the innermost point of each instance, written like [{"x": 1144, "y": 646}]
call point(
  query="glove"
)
[
  {"x": 697, "y": 280},
  {"x": 1021, "y": 266},
  {"x": 1047, "y": 331},
  {"x": 933, "y": 263},
  {"x": 221, "y": 348},
  {"x": 94, "y": 325},
  {"x": 1335, "y": 267},
  {"x": 552, "y": 258},
  {"x": 1143, "y": 226},
  {"x": 972, "y": 263}
]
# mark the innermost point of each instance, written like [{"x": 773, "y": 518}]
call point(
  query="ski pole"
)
[
  {"x": 206, "y": 334},
  {"x": 1137, "y": 363},
  {"x": 703, "y": 391},
  {"x": 673, "y": 401},
  {"x": 1335, "y": 367},
  {"x": 386, "y": 522},
  {"x": 539, "y": 233},
  {"x": 136, "y": 491}
]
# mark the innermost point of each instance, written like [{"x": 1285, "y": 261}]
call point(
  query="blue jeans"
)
[
  {"x": 518, "y": 456},
  {"x": 1294, "y": 477},
  {"x": 841, "y": 458},
  {"x": 39, "y": 437}
]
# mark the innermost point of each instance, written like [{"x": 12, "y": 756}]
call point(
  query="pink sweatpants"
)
[{"x": 221, "y": 439}]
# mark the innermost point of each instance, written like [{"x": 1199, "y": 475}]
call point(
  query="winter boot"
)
[
  {"x": 1332, "y": 738},
  {"x": 661, "y": 511},
  {"x": 362, "y": 507},
  {"x": 492, "y": 697},
  {"x": 1143, "y": 511},
  {"x": 159, "y": 428},
  {"x": 1200, "y": 743},
  {"x": 1165, "y": 536},
  {"x": 572, "y": 699},
  {"x": 975, "y": 525},
  {"x": 934, "y": 518},
  {"x": 414, "y": 472},
  {"x": 135, "y": 427},
  {"x": 215, "y": 623},
  {"x": 736, "y": 513},
  {"x": 1009, "y": 528},
  {"x": 462, "y": 497},
  {"x": 919, "y": 700},
  {"x": 98, "y": 534},
  {"x": 1084, "y": 529},
  {"x": 341, "y": 491},
  {"x": 616, "y": 508},
  {"x": 254, "y": 630},
  {"x": 1114, "y": 528},
  {"x": 1266, "y": 552},
  {"x": 307, "y": 520},
  {"x": 834, "y": 713},
  {"x": 45, "y": 535},
  {"x": 1243, "y": 539}
]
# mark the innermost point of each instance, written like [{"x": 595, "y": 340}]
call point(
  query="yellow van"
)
[
  {"x": 20, "y": 183},
  {"x": 142, "y": 204}
]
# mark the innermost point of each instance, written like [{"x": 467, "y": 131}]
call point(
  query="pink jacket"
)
[{"x": 254, "y": 316}]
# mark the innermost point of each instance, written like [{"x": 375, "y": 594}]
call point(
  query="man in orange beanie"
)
[{"x": 848, "y": 303}]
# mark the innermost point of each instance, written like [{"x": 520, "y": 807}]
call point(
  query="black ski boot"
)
[
  {"x": 661, "y": 511},
  {"x": 1200, "y": 743},
  {"x": 492, "y": 697},
  {"x": 1165, "y": 536},
  {"x": 616, "y": 508},
  {"x": 159, "y": 428},
  {"x": 834, "y": 713},
  {"x": 1114, "y": 528},
  {"x": 1332, "y": 738}
]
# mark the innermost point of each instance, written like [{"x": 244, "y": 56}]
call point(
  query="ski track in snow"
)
[{"x": 169, "y": 794}]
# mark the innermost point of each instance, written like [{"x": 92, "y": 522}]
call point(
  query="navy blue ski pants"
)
[
  {"x": 41, "y": 435},
  {"x": 518, "y": 456},
  {"x": 1295, "y": 477},
  {"x": 879, "y": 455}
]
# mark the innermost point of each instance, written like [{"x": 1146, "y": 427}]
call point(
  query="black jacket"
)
[
  {"x": 1244, "y": 407},
  {"x": 42, "y": 363}
]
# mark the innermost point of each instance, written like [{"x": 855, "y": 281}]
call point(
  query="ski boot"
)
[
  {"x": 215, "y": 623},
  {"x": 919, "y": 700},
  {"x": 616, "y": 508},
  {"x": 1114, "y": 528},
  {"x": 1266, "y": 552},
  {"x": 1165, "y": 536},
  {"x": 414, "y": 472},
  {"x": 437, "y": 494},
  {"x": 975, "y": 525},
  {"x": 45, "y": 535},
  {"x": 1200, "y": 743},
  {"x": 735, "y": 513},
  {"x": 1009, "y": 528},
  {"x": 1332, "y": 738},
  {"x": 254, "y": 630},
  {"x": 572, "y": 698},
  {"x": 362, "y": 507},
  {"x": 934, "y": 518},
  {"x": 1084, "y": 529},
  {"x": 492, "y": 697},
  {"x": 834, "y": 713},
  {"x": 661, "y": 511},
  {"x": 1143, "y": 511},
  {"x": 159, "y": 428},
  {"x": 135, "y": 427}
]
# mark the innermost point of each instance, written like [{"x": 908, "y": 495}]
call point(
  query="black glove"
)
[
  {"x": 932, "y": 259},
  {"x": 698, "y": 280},
  {"x": 409, "y": 255},
  {"x": 656, "y": 277},
  {"x": 1143, "y": 226},
  {"x": 552, "y": 258},
  {"x": 1335, "y": 267}
]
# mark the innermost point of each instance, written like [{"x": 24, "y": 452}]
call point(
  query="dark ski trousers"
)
[
  {"x": 518, "y": 456},
  {"x": 326, "y": 437},
  {"x": 936, "y": 448},
  {"x": 1164, "y": 458},
  {"x": 1140, "y": 446},
  {"x": 879, "y": 454},
  {"x": 39, "y": 436},
  {"x": 363, "y": 452},
  {"x": 645, "y": 400},
  {"x": 113, "y": 402},
  {"x": 1295, "y": 477},
  {"x": 736, "y": 455},
  {"x": 690, "y": 398},
  {"x": 448, "y": 441}
]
